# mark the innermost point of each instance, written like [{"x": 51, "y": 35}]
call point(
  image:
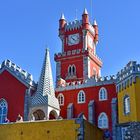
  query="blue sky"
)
[{"x": 28, "y": 26}]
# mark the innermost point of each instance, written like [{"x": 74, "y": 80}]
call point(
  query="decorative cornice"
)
[
  {"x": 76, "y": 53},
  {"x": 87, "y": 83}
]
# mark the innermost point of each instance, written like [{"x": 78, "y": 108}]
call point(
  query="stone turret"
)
[
  {"x": 85, "y": 19},
  {"x": 96, "y": 38},
  {"x": 62, "y": 23}
]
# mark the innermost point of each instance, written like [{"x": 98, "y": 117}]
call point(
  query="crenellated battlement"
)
[
  {"x": 127, "y": 75},
  {"x": 18, "y": 72},
  {"x": 93, "y": 81},
  {"x": 83, "y": 24},
  {"x": 77, "y": 24},
  {"x": 131, "y": 68}
]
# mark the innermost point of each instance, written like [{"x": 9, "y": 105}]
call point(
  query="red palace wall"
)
[
  {"x": 13, "y": 92},
  {"x": 91, "y": 93}
]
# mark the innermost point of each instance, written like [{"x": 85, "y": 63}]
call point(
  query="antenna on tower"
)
[
  {"x": 76, "y": 14},
  {"x": 91, "y": 8}
]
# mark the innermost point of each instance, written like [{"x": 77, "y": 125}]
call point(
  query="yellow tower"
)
[{"x": 128, "y": 89}]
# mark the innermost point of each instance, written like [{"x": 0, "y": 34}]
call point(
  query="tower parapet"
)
[
  {"x": 128, "y": 75},
  {"x": 93, "y": 81},
  {"x": 74, "y": 25}
]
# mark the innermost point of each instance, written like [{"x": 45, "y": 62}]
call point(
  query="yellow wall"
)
[
  {"x": 92, "y": 132},
  {"x": 133, "y": 91},
  {"x": 137, "y": 89},
  {"x": 46, "y": 130}
]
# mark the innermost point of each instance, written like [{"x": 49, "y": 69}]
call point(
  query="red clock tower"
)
[
  {"x": 80, "y": 89},
  {"x": 78, "y": 60}
]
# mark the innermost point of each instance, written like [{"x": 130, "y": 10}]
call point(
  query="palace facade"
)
[{"x": 111, "y": 103}]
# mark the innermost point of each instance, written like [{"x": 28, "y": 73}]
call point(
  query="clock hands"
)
[{"x": 73, "y": 39}]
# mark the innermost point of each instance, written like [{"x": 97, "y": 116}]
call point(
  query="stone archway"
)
[
  {"x": 53, "y": 115},
  {"x": 39, "y": 114}
]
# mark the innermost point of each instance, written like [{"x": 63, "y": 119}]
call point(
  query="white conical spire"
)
[
  {"x": 45, "y": 90},
  {"x": 45, "y": 95},
  {"x": 45, "y": 85},
  {"x": 95, "y": 22},
  {"x": 62, "y": 16},
  {"x": 85, "y": 11}
]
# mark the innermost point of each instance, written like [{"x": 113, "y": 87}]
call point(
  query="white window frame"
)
[
  {"x": 103, "y": 94},
  {"x": 61, "y": 99},
  {"x": 81, "y": 97},
  {"x": 3, "y": 115},
  {"x": 103, "y": 120},
  {"x": 126, "y": 104}
]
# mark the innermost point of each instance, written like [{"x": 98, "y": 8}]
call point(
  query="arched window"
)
[
  {"x": 103, "y": 120},
  {"x": 126, "y": 104},
  {"x": 81, "y": 97},
  {"x": 71, "y": 70},
  {"x": 3, "y": 110},
  {"x": 60, "y": 98},
  {"x": 102, "y": 94},
  {"x": 38, "y": 115}
]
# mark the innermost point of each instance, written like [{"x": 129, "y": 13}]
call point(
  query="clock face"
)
[{"x": 73, "y": 39}]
